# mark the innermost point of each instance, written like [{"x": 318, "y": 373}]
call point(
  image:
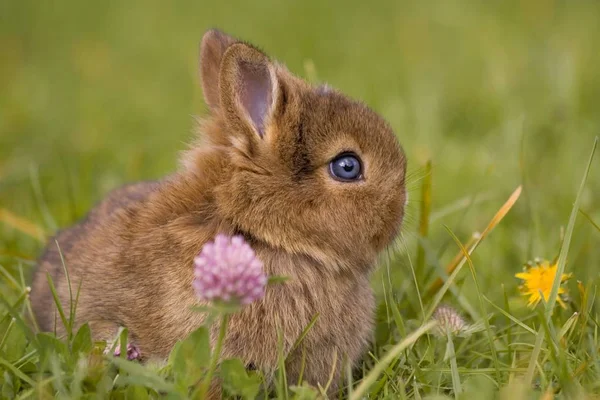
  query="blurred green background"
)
[{"x": 495, "y": 94}]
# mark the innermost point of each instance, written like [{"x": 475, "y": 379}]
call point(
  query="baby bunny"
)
[{"x": 314, "y": 182}]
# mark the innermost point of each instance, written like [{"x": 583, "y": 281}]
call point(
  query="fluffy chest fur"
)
[
  {"x": 342, "y": 307},
  {"x": 341, "y": 302}
]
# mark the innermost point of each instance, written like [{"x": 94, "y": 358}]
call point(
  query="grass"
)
[{"x": 485, "y": 97}]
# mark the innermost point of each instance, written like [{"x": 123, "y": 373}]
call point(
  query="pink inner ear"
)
[{"x": 256, "y": 93}]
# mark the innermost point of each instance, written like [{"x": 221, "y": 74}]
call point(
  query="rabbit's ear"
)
[
  {"x": 213, "y": 46},
  {"x": 249, "y": 89}
]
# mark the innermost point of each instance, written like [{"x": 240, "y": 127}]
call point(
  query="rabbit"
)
[{"x": 313, "y": 180}]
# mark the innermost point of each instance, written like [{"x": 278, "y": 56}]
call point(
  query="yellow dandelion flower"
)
[{"x": 539, "y": 277}]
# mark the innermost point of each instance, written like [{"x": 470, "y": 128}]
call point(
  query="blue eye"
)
[{"x": 346, "y": 167}]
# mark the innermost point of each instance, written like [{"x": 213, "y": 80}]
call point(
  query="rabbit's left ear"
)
[
  {"x": 249, "y": 89},
  {"x": 213, "y": 46}
]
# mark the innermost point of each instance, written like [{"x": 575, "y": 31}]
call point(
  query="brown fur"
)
[{"x": 263, "y": 173}]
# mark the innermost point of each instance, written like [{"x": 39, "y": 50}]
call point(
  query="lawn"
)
[{"x": 495, "y": 103}]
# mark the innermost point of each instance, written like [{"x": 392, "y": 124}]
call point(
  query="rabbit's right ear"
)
[
  {"x": 250, "y": 90},
  {"x": 213, "y": 46}
]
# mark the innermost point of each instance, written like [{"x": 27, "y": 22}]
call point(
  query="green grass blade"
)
[
  {"x": 481, "y": 303},
  {"x": 282, "y": 386},
  {"x": 18, "y": 318},
  {"x": 71, "y": 319},
  {"x": 456, "y": 385},
  {"x": 424, "y": 216},
  {"x": 9, "y": 277},
  {"x": 398, "y": 320},
  {"x": 513, "y": 319},
  {"x": 6, "y": 333},
  {"x": 123, "y": 340},
  {"x": 17, "y": 372},
  {"x": 537, "y": 348},
  {"x": 389, "y": 358},
  {"x": 416, "y": 282},
  {"x": 59, "y": 307},
  {"x": 568, "y": 325},
  {"x": 562, "y": 259},
  {"x": 31, "y": 314},
  {"x": 39, "y": 197},
  {"x": 509, "y": 332},
  {"x": 139, "y": 375},
  {"x": 591, "y": 221},
  {"x": 304, "y": 333}
]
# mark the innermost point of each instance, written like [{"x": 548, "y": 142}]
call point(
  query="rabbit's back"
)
[{"x": 68, "y": 251}]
